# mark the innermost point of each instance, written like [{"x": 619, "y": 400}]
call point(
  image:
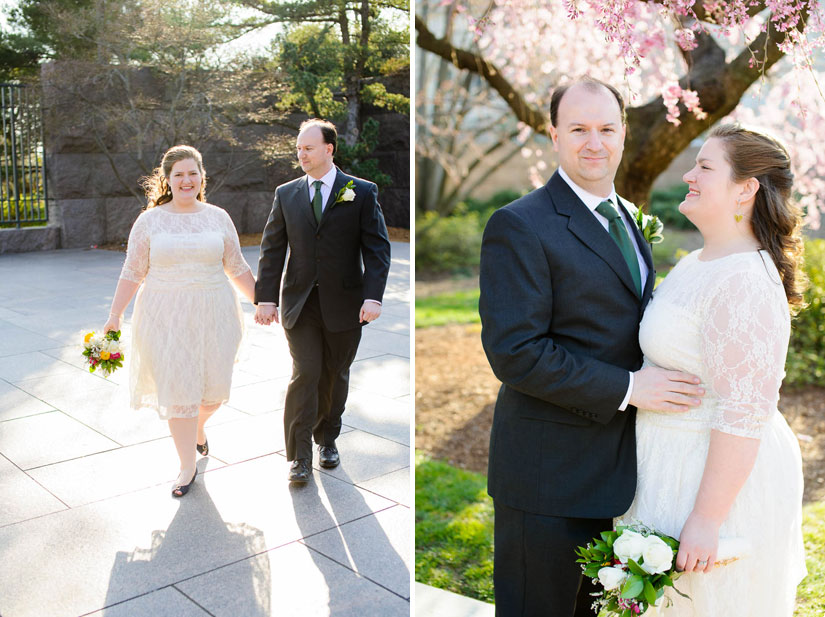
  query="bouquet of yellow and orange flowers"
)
[{"x": 103, "y": 352}]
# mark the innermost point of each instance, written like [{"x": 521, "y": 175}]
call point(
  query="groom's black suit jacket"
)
[
  {"x": 560, "y": 324},
  {"x": 329, "y": 254}
]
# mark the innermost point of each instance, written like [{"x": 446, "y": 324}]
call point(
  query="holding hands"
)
[{"x": 265, "y": 314}]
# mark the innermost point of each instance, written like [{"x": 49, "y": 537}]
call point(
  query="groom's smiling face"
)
[{"x": 589, "y": 137}]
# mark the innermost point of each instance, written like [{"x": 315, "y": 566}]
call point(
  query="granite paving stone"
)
[
  {"x": 394, "y": 485},
  {"x": 166, "y": 602},
  {"x": 15, "y": 403},
  {"x": 292, "y": 581},
  {"x": 374, "y": 546},
  {"x": 387, "y": 375},
  {"x": 365, "y": 456},
  {"x": 114, "y": 550},
  {"x": 23, "y": 498},
  {"x": 48, "y": 438},
  {"x": 379, "y": 415}
]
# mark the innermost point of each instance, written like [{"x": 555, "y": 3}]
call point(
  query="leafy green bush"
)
[
  {"x": 806, "y": 354},
  {"x": 448, "y": 244},
  {"x": 486, "y": 207},
  {"x": 664, "y": 203},
  {"x": 452, "y": 244}
]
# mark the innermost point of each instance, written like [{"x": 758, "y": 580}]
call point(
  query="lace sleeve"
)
[
  {"x": 745, "y": 340},
  {"x": 137, "y": 252},
  {"x": 234, "y": 263}
]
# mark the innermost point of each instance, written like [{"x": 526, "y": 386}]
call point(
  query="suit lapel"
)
[
  {"x": 301, "y": 197},
  {"x": 340, "y": 181},
  {"x": 586, "y": 227},
  {"x": 644, "y": 248}
]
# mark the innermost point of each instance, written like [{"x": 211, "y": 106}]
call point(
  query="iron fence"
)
[{"x": 23, "y": 194}]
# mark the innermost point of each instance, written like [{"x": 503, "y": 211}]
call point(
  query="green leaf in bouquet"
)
[
  {"x": 666, "y": 579},
  {"x": 635, "y": 568},
  {"x": 671, "y": 542},
  {"x": 613, "y": 604},
  {"x": 602, "y": 546},
  {"x": 597, "y": 554},
  {"x": 650, "y": 593},
  {"x": 620, "y": 529},
  {"x": 592, "y": 571},
  {"x": 627, "y": 613},
  {"x": 632, "y": 587}
]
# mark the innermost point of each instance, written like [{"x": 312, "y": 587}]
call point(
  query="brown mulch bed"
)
[{"x": 455, "y": 391}]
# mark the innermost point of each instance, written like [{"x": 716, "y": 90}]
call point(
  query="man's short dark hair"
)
[
  {"x": 328, "y": 131},
  {"x": 592, "y": 84}
]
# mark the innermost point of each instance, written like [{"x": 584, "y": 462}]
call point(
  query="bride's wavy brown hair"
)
[
  {"x": 776, "y": 220},
  {"x": 156, "y": 186}
]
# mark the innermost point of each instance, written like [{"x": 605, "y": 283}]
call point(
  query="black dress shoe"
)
[
  {"x": 181, "y": 490},
  {"x": 328, "y": 456},
  {"x": 203, "y": 449},
  {"x": 300, "y": 471}
]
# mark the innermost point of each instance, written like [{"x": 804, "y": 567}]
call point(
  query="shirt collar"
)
[
  {"x": 328, "y": 178},
  {"x": 590, "y": 200}
]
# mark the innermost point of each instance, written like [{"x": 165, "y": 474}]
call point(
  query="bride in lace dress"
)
[
  {"x": 187, "y": 323},
  {"x": 731, "y": 468}
]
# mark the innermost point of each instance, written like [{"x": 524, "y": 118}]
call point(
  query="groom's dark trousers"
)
[
  {"x": 319, "y": 274},
  {"x": 560, "y": 322}
]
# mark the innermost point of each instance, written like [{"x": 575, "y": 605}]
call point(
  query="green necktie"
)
[
  {"x": 317, "y": 201},
  {"x": 618, "y": 232}
]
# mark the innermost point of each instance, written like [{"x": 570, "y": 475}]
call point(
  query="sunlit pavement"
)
[{"x": 87, "y": 522}]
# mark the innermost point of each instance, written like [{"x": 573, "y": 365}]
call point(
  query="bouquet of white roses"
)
[
  {"x": 103, "y": 352},
  {"x": 633, "y": 564}
]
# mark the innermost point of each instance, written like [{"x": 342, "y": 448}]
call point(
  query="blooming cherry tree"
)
[{"x": 683, "y": 65}]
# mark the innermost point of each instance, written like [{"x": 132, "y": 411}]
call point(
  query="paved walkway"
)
[
  {"x": 87, "y": 522},
  {"x": 434, "y": 602}
]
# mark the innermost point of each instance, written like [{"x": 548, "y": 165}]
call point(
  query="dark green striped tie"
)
[
  {"x": 618, "y": 232},
  {"x": 317, "y": 201}
]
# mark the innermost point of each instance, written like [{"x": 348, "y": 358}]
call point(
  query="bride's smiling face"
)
[
  {"x": 185, "y": 180},
  {"x": 712, "y": 193}
]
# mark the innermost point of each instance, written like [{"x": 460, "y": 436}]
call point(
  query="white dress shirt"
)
[{"x": 592, "y": 201}]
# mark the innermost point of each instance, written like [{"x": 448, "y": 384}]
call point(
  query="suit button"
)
[{"x": 318, "y": 237}]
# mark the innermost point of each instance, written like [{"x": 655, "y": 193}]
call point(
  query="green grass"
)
[
  {"x": 453, "y": 529},
  {"x": 457, "y": 307},
  {"x": 811, "y": 592},
  {"x": 454, "y": 536}
]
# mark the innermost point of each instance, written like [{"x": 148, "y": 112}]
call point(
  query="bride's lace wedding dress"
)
[
  {"x": 187, "y": 323},
  {"x": 727, "y": 322}
]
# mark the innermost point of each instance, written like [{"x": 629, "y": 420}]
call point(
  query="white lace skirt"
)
[
  {"x": 184, "y": 344},
  {"x": 767, "y": 516}
]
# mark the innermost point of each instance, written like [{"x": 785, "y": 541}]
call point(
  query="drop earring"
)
[{"x": 737, "y": 216}]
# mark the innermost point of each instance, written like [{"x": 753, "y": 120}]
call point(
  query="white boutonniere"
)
[
  {"x": 347, "y": 193},
  {"x": 650, "y": 226}
]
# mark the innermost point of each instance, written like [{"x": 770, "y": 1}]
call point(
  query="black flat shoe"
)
[
  {"x": 203, "y": 449},
  {"x": 300, "y": 471},
  {"x": 180, "y": 491},
  {"x": 328, "y": 456}
]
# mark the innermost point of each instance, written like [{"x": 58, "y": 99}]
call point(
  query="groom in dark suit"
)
[
  {"x": 332, "y": 224},
  {"x": 565, "y": 277}
]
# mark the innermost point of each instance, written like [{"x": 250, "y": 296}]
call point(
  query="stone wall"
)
[{"x": 93, "y": 179}]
